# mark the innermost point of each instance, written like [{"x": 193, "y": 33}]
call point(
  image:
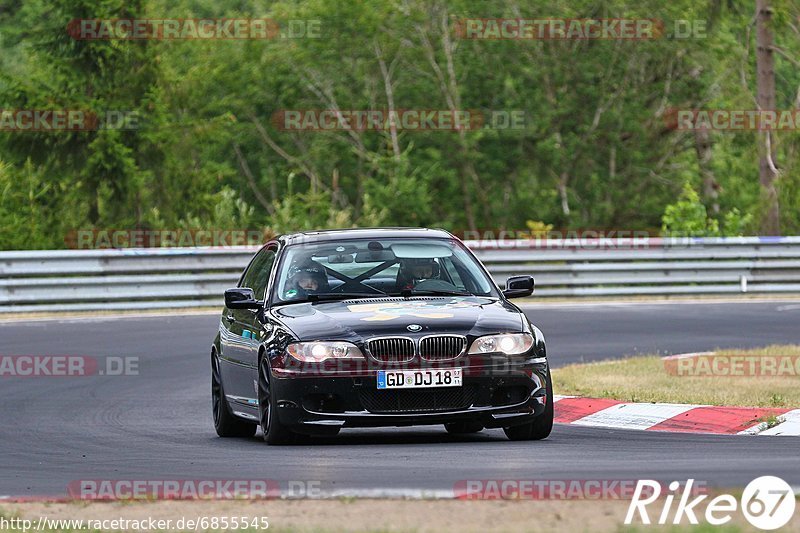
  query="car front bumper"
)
[{"x": 494, "y": 392}]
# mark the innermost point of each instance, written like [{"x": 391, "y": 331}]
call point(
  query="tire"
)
[
  {"x": 541, "y": 426},
  {"x": 275, "y": 433},
  {"x": 463, "y": 427},
  {"x": 225, "y": 423}
]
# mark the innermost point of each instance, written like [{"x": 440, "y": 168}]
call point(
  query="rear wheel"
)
[
  {"x": 274, "y": 431},
  {"x": 225, "y": 422},
  {"x": 463, "y": 427},
  {"x": 541, "y": 426}
]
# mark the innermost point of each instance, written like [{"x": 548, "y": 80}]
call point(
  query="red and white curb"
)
[{"x": 680, "y": 418}]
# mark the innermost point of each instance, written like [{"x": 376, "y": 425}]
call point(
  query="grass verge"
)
[{"x": 652, "y": 379}]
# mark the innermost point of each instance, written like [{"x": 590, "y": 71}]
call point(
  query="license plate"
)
[{"x": 418, "y": 379}]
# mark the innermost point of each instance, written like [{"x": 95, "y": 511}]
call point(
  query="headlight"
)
[
  {"x": 508, "y": 343},
  {"x": 315, "y": 352}
]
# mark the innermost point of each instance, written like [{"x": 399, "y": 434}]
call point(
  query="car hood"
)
[{"x": 354, "y": 320}]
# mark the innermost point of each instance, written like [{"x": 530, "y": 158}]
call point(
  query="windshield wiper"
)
[
  {"x": 330, "y": 297},
  {"x": 405, "y": 293}
]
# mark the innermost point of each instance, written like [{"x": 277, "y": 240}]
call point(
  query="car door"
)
[{"x": 241, "y": 349}]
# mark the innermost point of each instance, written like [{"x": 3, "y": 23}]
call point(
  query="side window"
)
[{"x": 257, "y": 275}]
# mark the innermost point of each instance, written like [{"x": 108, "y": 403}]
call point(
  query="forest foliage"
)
[{"x": 596, "y": 149}]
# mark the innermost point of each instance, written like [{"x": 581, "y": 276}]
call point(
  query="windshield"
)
[{"x": 378, "y": 267}]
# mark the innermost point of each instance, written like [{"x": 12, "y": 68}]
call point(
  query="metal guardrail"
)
[{"x": 67, "y": 280}]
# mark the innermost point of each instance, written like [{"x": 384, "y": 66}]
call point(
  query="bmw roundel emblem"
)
[{"x": 414, "y": 327}]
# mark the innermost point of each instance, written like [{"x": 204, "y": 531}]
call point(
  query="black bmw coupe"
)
[{"x": 376, "y": 327}]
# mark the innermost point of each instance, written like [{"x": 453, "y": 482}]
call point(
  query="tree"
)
[{"x": 765, "y": 75}]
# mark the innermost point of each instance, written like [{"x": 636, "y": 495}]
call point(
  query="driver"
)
[
  {"x": 308, "y": 279},
  {"x": 413, "y": 271}
]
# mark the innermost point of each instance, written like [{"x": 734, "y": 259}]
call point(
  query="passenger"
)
[{"x": 414, "y": 271}]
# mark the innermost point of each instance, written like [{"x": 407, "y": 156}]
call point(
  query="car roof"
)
[{"x": 333, "y": 235}]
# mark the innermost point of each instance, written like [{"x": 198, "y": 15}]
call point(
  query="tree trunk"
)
[
  {"x": 563, "y": 181},
  {"x": 765, "y": 76},
  {"x": 703, "y": 147}
]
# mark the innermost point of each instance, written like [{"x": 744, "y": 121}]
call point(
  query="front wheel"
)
[
  {"x": 541, "y": 426},
  {"x": 225, "y": 423},
  {"x": 274, "y": 431}
]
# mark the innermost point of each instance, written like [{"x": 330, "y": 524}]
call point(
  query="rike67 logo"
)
[{"x": 767, "y": 502}]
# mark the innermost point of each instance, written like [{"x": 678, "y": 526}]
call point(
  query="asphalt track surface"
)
[{"x": 157, "y": 425}]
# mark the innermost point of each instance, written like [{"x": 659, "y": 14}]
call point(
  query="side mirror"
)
[
  {"x": 518, "y": 287},
  {"x": 241, "y": 298}
]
